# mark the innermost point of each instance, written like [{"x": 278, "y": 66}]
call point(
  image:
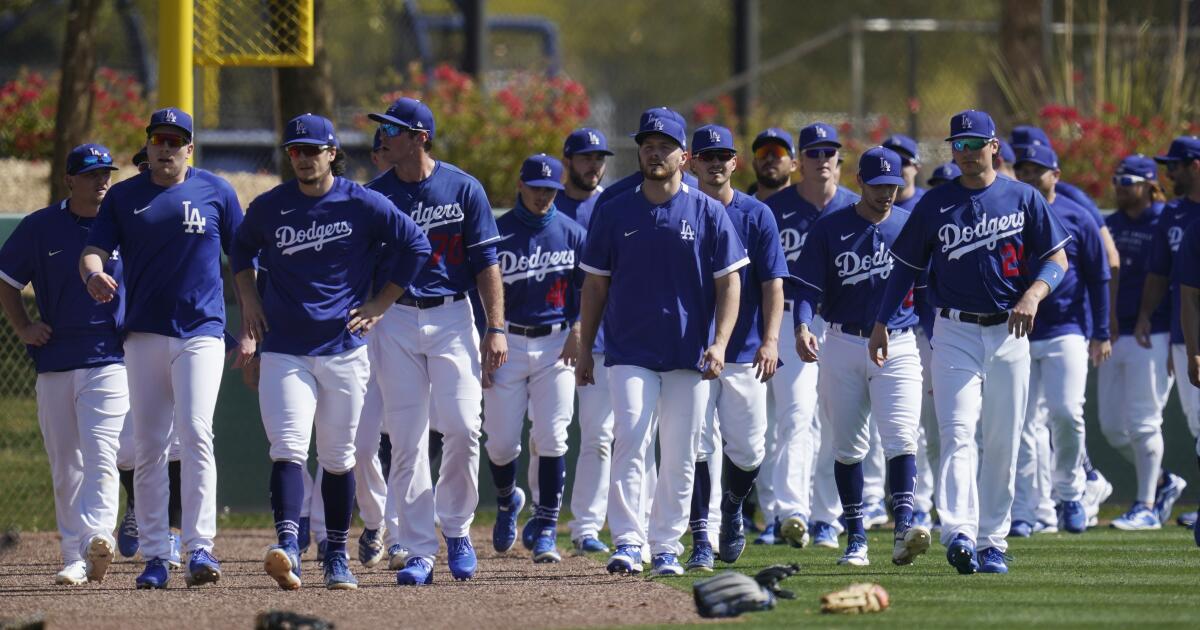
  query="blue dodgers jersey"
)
[
  {"x": 453, "y": 210},
  {"x": 795, "y": 216},
  {"x": 911, "y": 202},
  {"x": 322, "y": 253},
  {"x": 581, "y": 211},
  {"x": 1069, "y": 309},
  {"x": 44, "y": 250},
  {"x": 540, "y": 270},
  {"x": 171, "y": 240},
  {"x": 631, "y": 181},
  {"x": 755, "y": 226},
  {"x": 1177, "y": 215},
  {"x": 1075, "y": 194},
  {"x": 976, "y": 243},
  {"x": 663, "y": 261},
  {"x": 847, "y": 262},
  {"x": 1134, "y": 239},
  {"x": 1189, "y": 256}
]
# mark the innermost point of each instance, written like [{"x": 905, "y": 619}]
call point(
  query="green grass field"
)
[{"x": 1104, "y": 578}]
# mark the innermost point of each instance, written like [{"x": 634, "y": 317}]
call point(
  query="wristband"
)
[
  {"x": 493, "y": 329},
  {"x": 89, "y": 277},
  {"x": 1051, "y": 273}
]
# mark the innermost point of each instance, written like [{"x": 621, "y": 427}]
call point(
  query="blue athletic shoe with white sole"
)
[
  {"x": 545, "y": 550},
  {"x": 337, "y": 573},
  {"x": 992, "y": 560},
  {"x": 397, "y": 557},
  {"x": 589, "y": 544},
  {"x": 370, "y": 548},
  {"x": 175, "y": 555},
  {"x": 504, "y": 532},
  {"x": 875, "y": 515},
  {"x": 1020, "y": 529},
  {"x": 460, "y": 555},
  {"x": 1138, "y": 518},
  {"x": 1187, "y": 519},
  {"x": 732, "y": 537},
  {"x": 921, "y": 518},
  {"x": 305, "y": 535},
  {"x": 824, "y": 535},
  {"x": 127, "y": 535},
  {"x": 416, "y": 572},
  {"x": 856, "y": 552},
  {"x": 202, "y": 569},
  {"x": 1072, "y": 517},
  {"x": 154, "y": 576},
  {"x": 794, "y": 529},
  {"x": 666, "y": 565},
  {"x": 627, "y": 559},
  {"x": 701, "y": 558},
  {"x": 530, "y": 531},
  {"x": 283, "y": 565},
  {"x": 961, "y": 555},
  {"x": 767, "y": 535},
  {"x": 1167, "y": 494}
]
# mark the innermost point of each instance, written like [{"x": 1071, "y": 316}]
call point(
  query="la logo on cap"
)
[
  {"x": 658, "y": 124},
  {"x": 170, "y": 116},
  {"x": 884, "y": 165},
  {"x": 546, "y": 172},
  {"x": 821, "y": 132},
  {"x": 966, "y": 121},
  {"x": 713, "y": 136},
  {"x": 420, "y": 125},
  {"x": 593, "y": 138},
  {"x": 301, "y": 130},
  {"x": 771, "y": 132}
]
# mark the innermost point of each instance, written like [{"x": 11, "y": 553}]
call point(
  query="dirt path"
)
[{"x": 508, "y": 592}]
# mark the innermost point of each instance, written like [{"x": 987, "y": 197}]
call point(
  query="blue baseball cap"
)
[
  {"x": 904, "y": 145},
  {"x": 171, "y": 117},
  {"x": 944, "y": 173},
  {"x": 818, "y": 133},
  {"x": 1182, "y": 148},
  {"x": 309, "y": 129},
  {"x": 712, "y": 137},
  {"x": 542, "y": 171},
  {"x": 586, "y": 140},
  {"x": 1006, "y": 152},
  {"x": 89, "y": 157},
  {"x": 408, "y": 113},
  {"x": 664, "y": 124},
  {"x": 1025, "y": 135},
  {"x": 880, "y": 166},
  {"x": 774, "y": 134},
  {"x": 1040, "y": 154},
  {"x": 971, "y": 124},
  {"x": 1138, "y": 165}
]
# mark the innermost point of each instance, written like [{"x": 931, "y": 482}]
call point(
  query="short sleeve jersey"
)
[
  {"x": 1069, "y": 308},
  {"x": 1177, "y": 216},
  {"x": 911, "y": 202},
  {"x": 540, "y": 269},
  {"x": 1134, "y": 239},
  {"x": 755, "y": 226},
  {"x": 794, "y": 216}
]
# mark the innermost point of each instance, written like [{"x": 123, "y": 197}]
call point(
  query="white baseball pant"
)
[
  {"x": 589, "y": 490},
  {"x": 928, "y": 447},
  {"x": 370, "y": 488},
  {"x": 874, "y": 469},
  {"x": 1131, "y": 392},
  {"x": 1058, "y": 379},
  {"x": 980, "y": 376},
  {"x": 681, "y": 397},
  {"x": 80, "y": 413},
  {"x": 826, "y": 502},
  {"x": 127, "y": 451},
  {"x": 1034, "y": 485},
  {"x": 1189, "y": 396},
  {"x": 429, "y": 366},
  {"x": 174, "y": 381},
  {"x": 735, "y": 426},
  {"x": 790, "y": 455},
  {"x": 533, "y": 380}
]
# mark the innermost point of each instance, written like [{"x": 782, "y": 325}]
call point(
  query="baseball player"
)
[
  {"x": 792, "y": 438},
  {"x": 585, "y": 155},
  {"x": 1182, "y": 162},
  {"x": 82, "y": 396},
  {"x": 429, "y": 350},
  {"x": 320, "y": 236},
  {"x": 1071, "y": 326},
  {"x": 1004, "y": 159},
  {"x": 1132, "y": 387},
  {"x": 1189, "y": 304},
  {"x": 538, "y": 252},
  {"x": 843, "y": 268},
  {"x": 633, "y": 179},
  {"x": 945, "y": 173},
  {"x": 171, "y": 224},
  {"x": 660, "y": 260},
  {"x": 774, "y": 162},
  {"x": 910, "y": 155},
  {"x": 993, "y": 251},
  {"x": 738, "y": 400}
]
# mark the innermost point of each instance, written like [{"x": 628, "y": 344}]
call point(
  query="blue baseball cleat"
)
[
  {"x": 961, "y": 555},
  {"x": 856, "y": 552},
  {"x": 530, "y": 532},
  {"x": 1167, "y": 494},
  {"x": 767, "y": 536},
  {"x": 175, "y": 556},
  {"x": 370, "y": 548},
  {"x": 627, "y": 559},
  {"x": 921, "y": 518},
  {"x": 460, "y": 555},
  {"x": 283, "y": 565},
  {"x": 127, "y": 535},
  {"x": 304, "y": 535},
  {"x": 701, "y": 558},
  {"x": 544, "y": 548},
  {"x": 1138, "y": 518},
  {"x": 1072, "y": 517},
  {"x": 155, "y": 575},
  {"x": 732, "y": 538},
  {"x": 1187, "y": 519},
  {"x": 824, "y": 535},
  {"x": 875, "y": 515},
  {"x": 794, "y": 530},
  {"x": 202, "y": 569},
  {"x": 991, "y": 560},
  {"x": 589, "y": 544},
  {"x": 504, "y": 532},
  {"x": 666, "y": 565},
  {"x": 337, "y": 573},
  {"x": 1020, "y": 529},
  {"x": 397, "y": 556},
  {"x": 418, "y": 571}
]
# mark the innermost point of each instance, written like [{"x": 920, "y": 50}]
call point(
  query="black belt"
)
[
  {"x": 992, "y": 319},
  {"x": 534, "y": 332},
  {"x": 430, "y": 302},
  {"x": 865, "y": 332}
]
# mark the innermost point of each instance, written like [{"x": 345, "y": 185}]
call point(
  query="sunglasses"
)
[
  {"x": 170, "y": 140},
  {"x": 92, "y": 160},
  {"x": 717, "y": 156},
  {"x": 391, "y": 130},
  {"x": 771, "y": 150},
  {"x": 306, "y": 150},
  {"x": 1127, "y": 180},
  {"x": 969, "y": 144},
  {"x": 821, "y": 154}
]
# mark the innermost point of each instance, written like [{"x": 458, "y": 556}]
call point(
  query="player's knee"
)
[
  {"x": 337, "y": 463},
  {"x": 1117, "y": 437},
  {"x": 502, "y": 454},
  {"x": 282, "y": 452}
]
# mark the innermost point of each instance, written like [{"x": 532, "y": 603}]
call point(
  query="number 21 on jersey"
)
[
  {"x": 1012, "y": 259},
  {"x": 193, "y": 223}
]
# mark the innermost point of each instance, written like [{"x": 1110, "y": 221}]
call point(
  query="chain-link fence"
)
[{"x": 27, "y": 494}]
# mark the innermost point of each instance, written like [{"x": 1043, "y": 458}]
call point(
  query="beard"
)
[
  {"x": 659, "y": 173},
  {"x": 579, "y": 182},
  {"x": 766, "y": 181}
]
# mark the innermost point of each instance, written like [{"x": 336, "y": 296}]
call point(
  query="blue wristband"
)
[
  {"x": 90, "y": 275},
  {"x": 493, "y": 329},
  {"x": 1052, "y": 274}
]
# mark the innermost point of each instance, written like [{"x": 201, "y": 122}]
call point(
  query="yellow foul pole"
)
[{"x": 175, "y": 54}]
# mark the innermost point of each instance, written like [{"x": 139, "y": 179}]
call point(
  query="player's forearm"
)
[
  {"x": 1154, "y": 289},
  {"x": 772, "y": 308},
  {"x": 592, "y": 300},
  {"x": 1098, "y": 298},
  {"x": 899, "y": 284},
  {"x": 91, "y": 261},
  {"x": 1041, "y": 287},
  {"x": 389, "y": 294},
  {"x": 246, "y": 287},
  {"x": 491, "y": 293},
  {"x": 14, "y": 309},
  {"x": 1189, "y": 318},
  {"x": 729, "y": 293}
]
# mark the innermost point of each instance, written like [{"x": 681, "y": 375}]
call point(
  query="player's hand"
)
[
  {"x": 713, "y": 361},
  {"x": 1099, "y": 350},
  {"x": 250, "y": 373},
  {"x": 1141, "y": 331},
  {"x": 1020, "y": 319},
  {"x": 495, "y": 351},
  {"x": 585, "y": 367},
  {"x": 766, "y": 361},
  {"x": 244, "y": 354},
  {"x": 486, "y": 379},
  {"x": 570, "y": 349},
  {"x": 102, "y": 287},
  {"x": 806, "y": 344},
  {"x": 1114, "y": 324},
  {"x": 1194, "y": 369},
  {"x": 254, "y": 321},
  {"x": 877, "y": 345},
  {"x": 364, "y": 318},
  {"x": 35, "y": 334}
]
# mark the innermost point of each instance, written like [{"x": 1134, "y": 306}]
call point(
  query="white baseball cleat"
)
[
  {"x": 99, "y": 556},
  {"x": 794, "y": 530},
  {"x": 74, "y": 574},
  {"x": 913, "y": 543}
]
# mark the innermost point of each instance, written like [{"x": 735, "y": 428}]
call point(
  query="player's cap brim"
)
[
  {"x": 388, "y": 120},
  {"x": 96, "y": 167},
  {"x": 312, "y": 141},
  {"x": 970, "y": 134},
  {"x": 780, "y": 141},
  {"x": 544, "y": 183},
  {"x": 586, "y": 151},
  {"x": 152, "y": 128},
  {"x": 885, "y": 180},
  {"x": 1038, "y": 162},
  {"x": 1166, "y": 159},
  {"x": 642, "y": 135},
  {"x": 821, "y": 143}
]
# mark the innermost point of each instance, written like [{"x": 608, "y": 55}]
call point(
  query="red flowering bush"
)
[
  {"x": 29, "y": 103},
  {"x": 489, "y": 135},
  {"x": 1089, "y": 148}
]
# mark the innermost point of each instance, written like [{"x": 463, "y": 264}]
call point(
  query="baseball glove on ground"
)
[
  {"x": 770, "y": 577},
  {"x": 729, "y": 594},
  {"x": 855, "y": 599},
  {"x": 287, "y": 620}
]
